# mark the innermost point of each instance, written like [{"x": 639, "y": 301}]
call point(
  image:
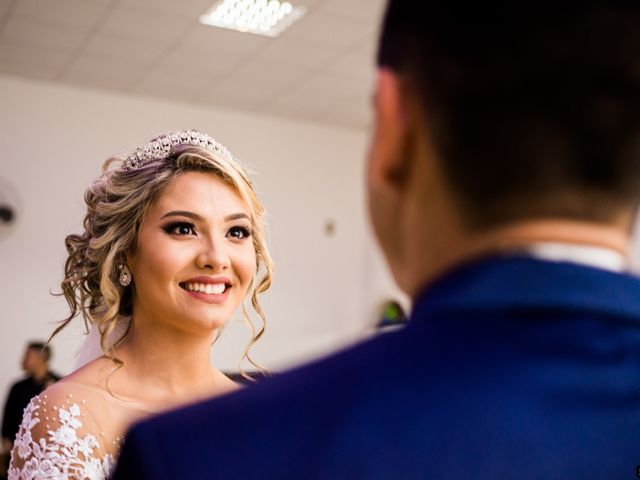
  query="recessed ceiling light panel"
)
[{"x": 262, "y": 17}]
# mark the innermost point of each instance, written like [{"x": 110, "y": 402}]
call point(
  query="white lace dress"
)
[{"x": 71, "y": 431}]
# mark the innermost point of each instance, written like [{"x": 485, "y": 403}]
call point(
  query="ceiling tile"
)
[
  {"x": 232, "y": 91},
  {"x": 298, "y": 110},
  {"x": 170, "y": 85},
  {"x": 368, "y": 49},
  {"x": 321, "y": 28},
  {"x": 300, "y": 103},
  {"x": 354, "y": 66},
  {"x": 220, "y": 41},
  {"x": 368, "y": 12},
  {"x": 255, "y": 69},
  {"x": 321, "y": 69},
  {"x": 79, "y": 14},
  {"x": 32, "y": 62},
  {"x": 233, "y": 102},
  {"x": 329, "y": 86},
  {"x": 122, "y": 51},
  {"x": 309, "y": 4},
  {"x": 34, "y": 32},
  {"x": 95, "y": 71},
  {"x": 346, "y": 119},
  {"x": 348, "y": 114},
  {"x": 299, "y": 55},
  {"x": 197, "y": 62},
  {"x": 191, "y": 9},
  {"x": 146, "y": 24},
  {"x": 355, "y": 108},
  {"x": 321, "y": 99},
  {"x": 6, "y": 6}
]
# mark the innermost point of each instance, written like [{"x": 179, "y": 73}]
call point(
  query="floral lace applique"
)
[{"x": 59, "y": 453}]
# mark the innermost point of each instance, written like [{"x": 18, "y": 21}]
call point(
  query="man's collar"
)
[
  {"x": 591, "y": 256},
  {"x": 517, "y": 280}
]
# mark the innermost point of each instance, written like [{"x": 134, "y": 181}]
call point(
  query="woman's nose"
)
[{"x": 213, "y": 256}]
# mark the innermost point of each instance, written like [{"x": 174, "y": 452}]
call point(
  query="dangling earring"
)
[{"x": 125, "y": 275}]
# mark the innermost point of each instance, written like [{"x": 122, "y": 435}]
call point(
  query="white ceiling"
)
[{"x": 320, "y": 69}]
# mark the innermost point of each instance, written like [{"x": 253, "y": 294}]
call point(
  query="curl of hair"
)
[{"x": 116, "y": 204}]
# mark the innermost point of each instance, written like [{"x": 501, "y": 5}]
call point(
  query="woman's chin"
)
[{"x": 209, "y": 325}]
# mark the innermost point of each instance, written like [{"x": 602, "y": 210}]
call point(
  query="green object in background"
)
[{"x": 392, "y": 314}]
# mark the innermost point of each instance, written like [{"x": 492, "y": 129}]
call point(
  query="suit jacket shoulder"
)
[{"x": 509, "y": 368}]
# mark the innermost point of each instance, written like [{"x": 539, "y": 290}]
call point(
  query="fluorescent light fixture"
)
[{"x": 262, "y": 17}]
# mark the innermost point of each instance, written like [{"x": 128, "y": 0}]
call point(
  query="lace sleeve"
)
[{"x": 58, "y": 439}]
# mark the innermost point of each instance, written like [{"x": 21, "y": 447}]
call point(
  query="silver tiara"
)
[{"x": 160, "y": 147}]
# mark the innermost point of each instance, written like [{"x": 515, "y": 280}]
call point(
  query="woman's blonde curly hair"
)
[{"x": 116, "y": 205}]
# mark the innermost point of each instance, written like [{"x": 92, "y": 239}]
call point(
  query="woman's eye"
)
[
  {"x": 180, "y": 229},
  {"x": 239, "y": 232}
]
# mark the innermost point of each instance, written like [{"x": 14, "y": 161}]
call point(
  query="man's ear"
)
[{"x": 388, "y": 162}]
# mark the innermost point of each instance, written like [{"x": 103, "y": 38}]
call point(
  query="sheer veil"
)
[{"x": 90, "y": 349}]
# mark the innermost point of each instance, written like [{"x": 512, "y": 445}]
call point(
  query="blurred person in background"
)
[
  {"x": 503, "y": 176},
  {"x": 35, "y": 364}
]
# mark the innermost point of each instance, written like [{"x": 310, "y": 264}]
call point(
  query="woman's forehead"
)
[{"x": 206, "y": 193}]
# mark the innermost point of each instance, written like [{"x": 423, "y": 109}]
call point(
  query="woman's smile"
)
[{"x": 208, "y": 289}]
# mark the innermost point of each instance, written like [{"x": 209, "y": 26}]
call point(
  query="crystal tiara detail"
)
[{"x": 162, "y": 146}]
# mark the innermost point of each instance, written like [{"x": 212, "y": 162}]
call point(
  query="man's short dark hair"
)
[
  {"x": 42, "y": 348},
  {"x": 534, "y": 107}
]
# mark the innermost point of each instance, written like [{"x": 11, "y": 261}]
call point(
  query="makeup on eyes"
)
[
  {"x": 172, "y": 229},
  {"x": 245, "y": 229}
]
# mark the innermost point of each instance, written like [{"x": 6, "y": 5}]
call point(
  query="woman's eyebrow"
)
[
  {"x": 182, "y": 213},
  {"x": 195, "y": 216},
  {"x": 236, "y": 216}
]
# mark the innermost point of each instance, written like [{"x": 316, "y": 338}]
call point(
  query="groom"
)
[{"x": 503, "y": 176}]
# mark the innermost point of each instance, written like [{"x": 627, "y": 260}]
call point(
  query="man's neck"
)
[{"x": 521, "y": 236}]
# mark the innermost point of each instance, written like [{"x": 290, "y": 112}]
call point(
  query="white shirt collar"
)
[{"x": 597, "y": 257}]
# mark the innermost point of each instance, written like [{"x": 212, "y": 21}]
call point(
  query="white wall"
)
[
  {"x": 327, "y": 289},
  {"x": 53, "y": 140}
]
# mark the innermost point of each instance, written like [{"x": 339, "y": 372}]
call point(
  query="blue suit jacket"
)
[{"x": 511, "y": 368}]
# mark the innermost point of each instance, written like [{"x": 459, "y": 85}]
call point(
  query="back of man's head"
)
[{"x": 534, "y": 108}]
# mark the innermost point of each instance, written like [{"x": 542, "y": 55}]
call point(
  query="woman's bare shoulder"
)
[
  {"x": 87, "y": 387},
  {"x": 94, "y": 373}
]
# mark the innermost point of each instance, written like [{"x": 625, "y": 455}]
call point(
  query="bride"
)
[{"x": 172, "y": 244}]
